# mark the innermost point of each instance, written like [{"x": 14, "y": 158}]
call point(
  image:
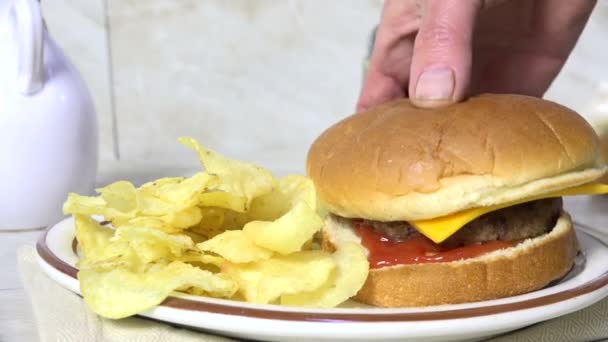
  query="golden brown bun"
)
[
  {"x": 529, "y": 266},
  {"x": 398, "y": 162}
]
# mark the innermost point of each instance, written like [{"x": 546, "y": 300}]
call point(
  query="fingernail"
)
[{"x": 435, "y": 83}]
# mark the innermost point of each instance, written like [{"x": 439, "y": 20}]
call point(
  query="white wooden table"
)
[{"x": 16, "y": 319}]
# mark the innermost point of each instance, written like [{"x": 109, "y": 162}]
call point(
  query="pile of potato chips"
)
[{"x": 233, "y": 231}]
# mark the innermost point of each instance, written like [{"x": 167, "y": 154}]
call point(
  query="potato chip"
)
[
  {"x": 182, "y": 191},
  {"x": 217, "y": 220},
  {"x": 120, "y": 196},
  {"x": 289, "y": 191},
  {"x": 85, "y": 205},
  {"x": 269, "y": 207},
  {"x": 234, "y": 246},
  {"x": 212, "y": 218},
  {"x": 298, "y": 188},
  {"x": 200, "y": 257},
  {"x": 222, "y": 199},
  {"x": 116, "y": 203},
  {"x": 288, "y": 233},
  {"x": 211, "y": 223},
  {"x": 267, "y": 280},
  {"x": 149, "y": 205},
  {"x": 151, "y": 244},
  {"x": 119, "y": 293},
  {"x": 153, "y": 222},
  {"x": 195, "y": 236},
  {"x": 173, "y": 195},
  {"x": 98, "y": 251},
  {"x": 153, "y": 186},
  {"x": 235, "y": 177},
  {"x": 234, "y": 220},
  {"x": 183, "y": 219},
  {"x": 94, "y": 239},
  {"x": 348, "y": 278}
]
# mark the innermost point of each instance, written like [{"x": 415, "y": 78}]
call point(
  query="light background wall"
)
[{"x": 257, "y": 80}]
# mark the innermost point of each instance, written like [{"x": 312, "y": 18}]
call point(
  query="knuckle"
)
[
  {"x": 402, "y": 19},
  {"x": 438, "y": 35}
]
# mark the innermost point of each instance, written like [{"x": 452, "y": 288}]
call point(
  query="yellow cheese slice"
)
[{"x": 441, "y": 228}]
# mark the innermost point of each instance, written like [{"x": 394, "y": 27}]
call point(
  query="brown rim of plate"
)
[{"x": 342, "y": 317}]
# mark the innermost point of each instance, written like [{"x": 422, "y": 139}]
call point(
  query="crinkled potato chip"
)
[
  {"x": 85, "y": 205},
  {"x": 217, "y": 220},
  {"x": 288, "y": 233},
  {"x": 222, "y": 199},
  {"x": 267, "y": 280},
  {"x": 151, "y": 244},
  {"x": 183, "y": 219},
  {"x": 298, "y": 188},
  {"x": 94, "y": 240},
  {"x": 197, "y": 256},
  {"x": 268, "y": 207},
  {"x": 188, "y": 189},
  {"x": 234, "y": 246},
  {"x": 152, "y": 186},
  {"x": 173, "y": 195},
  {"x": 168, "y": 212},
  {"x": 149, "y": 205},
  {"x": 119, "y": 293},
  {"x": 153, "y": 222},
  {"x": 213, "y": 218},
  {"x": 348, "y": 278},
  {"x": 117, "y": 203},
  {"x": 120, "y": 196},
  {"x": 234, "y": 220},
  {"x": 235, "y": 177},
  {"x": 289, "y": 191}
]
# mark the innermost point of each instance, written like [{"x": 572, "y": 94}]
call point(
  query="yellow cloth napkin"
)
[{"x": 62, "y": 316}]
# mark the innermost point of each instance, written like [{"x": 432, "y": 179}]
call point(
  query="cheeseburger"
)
[{"x": 457, "y": 204}]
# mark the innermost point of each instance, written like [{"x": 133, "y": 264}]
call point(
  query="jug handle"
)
[{"x": 26, "y": 20}]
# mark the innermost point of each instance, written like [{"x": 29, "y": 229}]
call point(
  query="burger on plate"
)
[{"x": 457, "y": 204}]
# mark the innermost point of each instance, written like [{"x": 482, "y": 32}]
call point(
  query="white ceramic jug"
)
[{"x": 48, "y": 126}]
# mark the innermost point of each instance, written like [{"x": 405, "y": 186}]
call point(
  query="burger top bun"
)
[{"x": 398, "y": 162}]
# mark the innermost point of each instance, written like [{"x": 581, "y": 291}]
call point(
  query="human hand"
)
[{"x": 438, "y": 52}]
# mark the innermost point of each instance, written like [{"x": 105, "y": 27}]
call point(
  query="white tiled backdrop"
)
[{"x": 253, "y": 79}]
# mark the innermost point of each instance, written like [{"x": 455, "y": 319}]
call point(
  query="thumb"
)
[{"x": 441, "y": 63}]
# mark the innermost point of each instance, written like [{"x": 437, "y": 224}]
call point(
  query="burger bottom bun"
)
[{"x": 528, "y": 266}]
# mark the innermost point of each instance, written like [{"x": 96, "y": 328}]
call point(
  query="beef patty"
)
[{"x": 518, "y": 222}]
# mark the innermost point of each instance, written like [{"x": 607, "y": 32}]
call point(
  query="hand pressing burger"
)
[
  {"x": 437, "y": 52},
  {"x": 460, "y": 203}
]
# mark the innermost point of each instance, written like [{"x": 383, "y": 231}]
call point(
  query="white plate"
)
[{"x": 586, "y": 284}]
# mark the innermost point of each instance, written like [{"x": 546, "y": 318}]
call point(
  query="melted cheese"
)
[{"x": 441, "y": 228}]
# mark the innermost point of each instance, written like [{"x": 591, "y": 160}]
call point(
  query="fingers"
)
[
  {"x": 441, "y": 64},
  {"x": 389, "y": 66},
  {"x": 377, "y": 89}
]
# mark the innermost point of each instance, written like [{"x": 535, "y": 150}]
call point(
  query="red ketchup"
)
[{"x": 417, "y": 250}]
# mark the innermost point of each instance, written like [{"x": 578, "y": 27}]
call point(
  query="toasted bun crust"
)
[
  {"x": 398, "y": 162},
  {"x": 528, "y": 266}
]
